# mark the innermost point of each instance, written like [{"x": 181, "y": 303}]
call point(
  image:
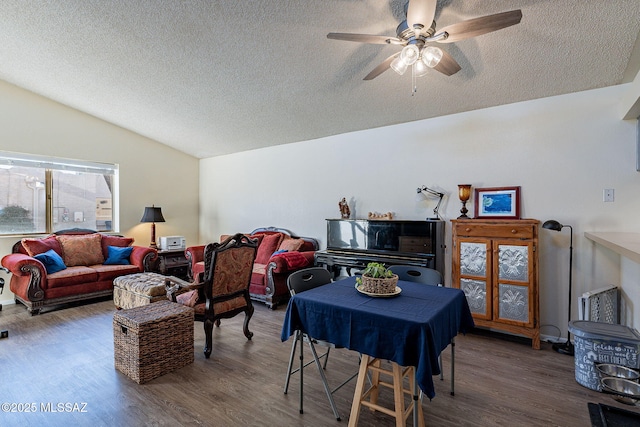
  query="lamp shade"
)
[
  {"x": 464, "y": 192},
  {"x": 152, "y": 214},
  {"x": 552, "y": 225}
]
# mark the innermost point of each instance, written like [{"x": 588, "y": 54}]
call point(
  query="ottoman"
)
[
  {"x": 152, "y": 340},
  {"x": 134, "y": 290}
]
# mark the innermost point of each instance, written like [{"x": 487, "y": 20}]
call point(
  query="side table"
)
[{"x": 173, "y": 263}]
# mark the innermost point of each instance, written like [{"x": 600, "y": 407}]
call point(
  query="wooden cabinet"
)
[
  {"x": 173, "y": 263},
  {"x": 495, "y": 263}
]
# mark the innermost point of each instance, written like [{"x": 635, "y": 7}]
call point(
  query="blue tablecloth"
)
[{"x": 410, "y": 329}]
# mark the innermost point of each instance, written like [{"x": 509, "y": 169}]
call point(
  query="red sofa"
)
[
  {"x": 90, "y": 262},
  {"x": 280, "y": 252}
]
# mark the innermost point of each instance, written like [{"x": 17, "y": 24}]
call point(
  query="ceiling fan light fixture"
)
[
  {"x": 431, "y": 56},
  {"x": 410, "y": 54},
  {"x": 399, "y": 66},
  {"x": 420, "y": 69}
]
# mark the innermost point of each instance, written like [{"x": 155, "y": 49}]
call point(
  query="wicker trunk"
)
[{"x": 152, "y": 340}]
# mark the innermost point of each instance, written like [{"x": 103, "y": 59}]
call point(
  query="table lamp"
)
[
  {"x": 421, "y": 194},
  {"x": 566, "y": 348},
  {"x": 152, "y": 214}
]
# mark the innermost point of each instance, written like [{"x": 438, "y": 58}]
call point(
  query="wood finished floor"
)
[{"x": 66, "y": 356}]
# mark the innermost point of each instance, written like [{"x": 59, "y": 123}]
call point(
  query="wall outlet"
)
[{"x": 607, "y": 195}]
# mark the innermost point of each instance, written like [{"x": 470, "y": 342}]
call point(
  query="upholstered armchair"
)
[
  {"x": 280, "y": 253},
  {"x": 223, "y": 291}
]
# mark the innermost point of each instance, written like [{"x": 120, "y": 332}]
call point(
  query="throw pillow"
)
[
  {"x": 189, "y": 298},
  {"x": 83, "y": 249},
  {"x": 118, "y": 241},
  {"x": 267, "y": 247},
  {"x": 291, "y": 245},
  {"x": 51, "y": 260},
  {"x": 39, "y": 246},
  {"x": 118, "y": 255}
]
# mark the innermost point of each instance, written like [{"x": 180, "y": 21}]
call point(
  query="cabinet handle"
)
[
  {"x": 467, "y": 229},
  {"x": 513, "y": 231}
]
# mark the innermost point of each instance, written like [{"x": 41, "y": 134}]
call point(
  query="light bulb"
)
[
  {"x": 410, "y": 54},
  {"x": 431, "y": 56},
  {"x": 399, "y": 66}
]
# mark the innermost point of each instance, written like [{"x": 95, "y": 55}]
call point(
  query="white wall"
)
[
  {"x": 563, "y": 151},
  {"x": 150, "y": 173}
]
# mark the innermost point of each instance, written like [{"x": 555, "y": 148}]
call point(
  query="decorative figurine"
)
[
  {"x": 345, "y": 212},
  {"x": 382, "y": 216}
]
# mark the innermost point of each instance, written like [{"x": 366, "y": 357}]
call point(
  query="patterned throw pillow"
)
[
  {"x": 291, "y": 245},
  {"x": 81, "y": 249},
  {"x": 39, "y": 246}
]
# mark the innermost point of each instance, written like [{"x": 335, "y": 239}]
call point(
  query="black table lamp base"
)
[{"x": 566, "y": 348}]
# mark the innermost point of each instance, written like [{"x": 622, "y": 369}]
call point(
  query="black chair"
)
[
  {"x": 297, "y": 282},
  {"x": 427, "y": 276}
]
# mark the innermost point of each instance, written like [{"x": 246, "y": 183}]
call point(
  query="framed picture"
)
[{"x": 497, "y": 202}]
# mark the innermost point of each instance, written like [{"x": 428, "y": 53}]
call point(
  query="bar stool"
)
[{"x": 398, "y": 373}]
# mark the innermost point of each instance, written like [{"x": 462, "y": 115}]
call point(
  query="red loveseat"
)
[
  {"x": 72, "y": 265},
  {"x": 280, "y": 252}
]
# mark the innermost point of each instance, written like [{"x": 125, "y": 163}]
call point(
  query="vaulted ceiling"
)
[{"x": 216, "y": 77}]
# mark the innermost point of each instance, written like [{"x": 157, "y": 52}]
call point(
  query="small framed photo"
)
[{"x": 497, "y": 202}]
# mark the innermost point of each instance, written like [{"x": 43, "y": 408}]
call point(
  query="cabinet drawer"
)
[
  {"x": 514, "y": 231},
  {"x": 174, "y": 261}
]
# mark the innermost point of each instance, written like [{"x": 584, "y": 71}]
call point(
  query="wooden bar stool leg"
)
[
  {"x": 357, "y": 395},
  {"x": 375, "y": 380},
  {"x": 398, "y": 394}
]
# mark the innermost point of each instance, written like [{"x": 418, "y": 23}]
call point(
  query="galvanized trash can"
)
[{"x": 597, "y": 342}]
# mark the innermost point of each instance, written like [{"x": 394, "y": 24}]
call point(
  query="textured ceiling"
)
[{"x": 216, "y": 77}]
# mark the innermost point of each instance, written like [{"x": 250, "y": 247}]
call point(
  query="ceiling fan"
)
[{"x": 419, "y": 30}]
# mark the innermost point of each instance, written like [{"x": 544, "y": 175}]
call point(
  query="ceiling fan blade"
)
[
  {"x": 421, "y": 12},
  {"x": 478, "y": 26},
  {"x": 447, "y": 65},
  {"x": 381, "y": 68},
  {"x": 365, "y": 38}
]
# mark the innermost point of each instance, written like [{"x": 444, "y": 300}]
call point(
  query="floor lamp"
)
[{"x": 566, "y": 348}]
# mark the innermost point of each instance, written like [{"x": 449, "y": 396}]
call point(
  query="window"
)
[{"x": 45, "y": 194}]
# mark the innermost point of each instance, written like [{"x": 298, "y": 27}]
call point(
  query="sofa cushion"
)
[
  {"x": 110, "y": 272},
  {"x": 51, "y": 260},
  {"x": 81, "y": 249},
  {"x": 72, "y": 276},
  {"x": 121, "y": 242},
  {"x": 290, "y": 245},
  {"x": 118, "y": 256},
  {"x": 34, "y": 247},
  {"x": 268, "y": 246}
]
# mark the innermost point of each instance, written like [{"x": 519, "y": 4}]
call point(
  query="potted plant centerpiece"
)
[{"x": 377, "y": 279}]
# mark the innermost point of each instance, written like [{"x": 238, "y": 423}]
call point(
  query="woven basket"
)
[
  {"x": 379, "y": 285},
  {"x": 152, "y": 340}
]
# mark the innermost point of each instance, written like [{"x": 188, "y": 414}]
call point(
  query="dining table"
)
[{"x": 410, "y": 327}]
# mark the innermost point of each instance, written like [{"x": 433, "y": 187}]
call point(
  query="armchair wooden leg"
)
[
  {"x": 247, "y": 318},
  {"x": 208, "y": 333}
]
